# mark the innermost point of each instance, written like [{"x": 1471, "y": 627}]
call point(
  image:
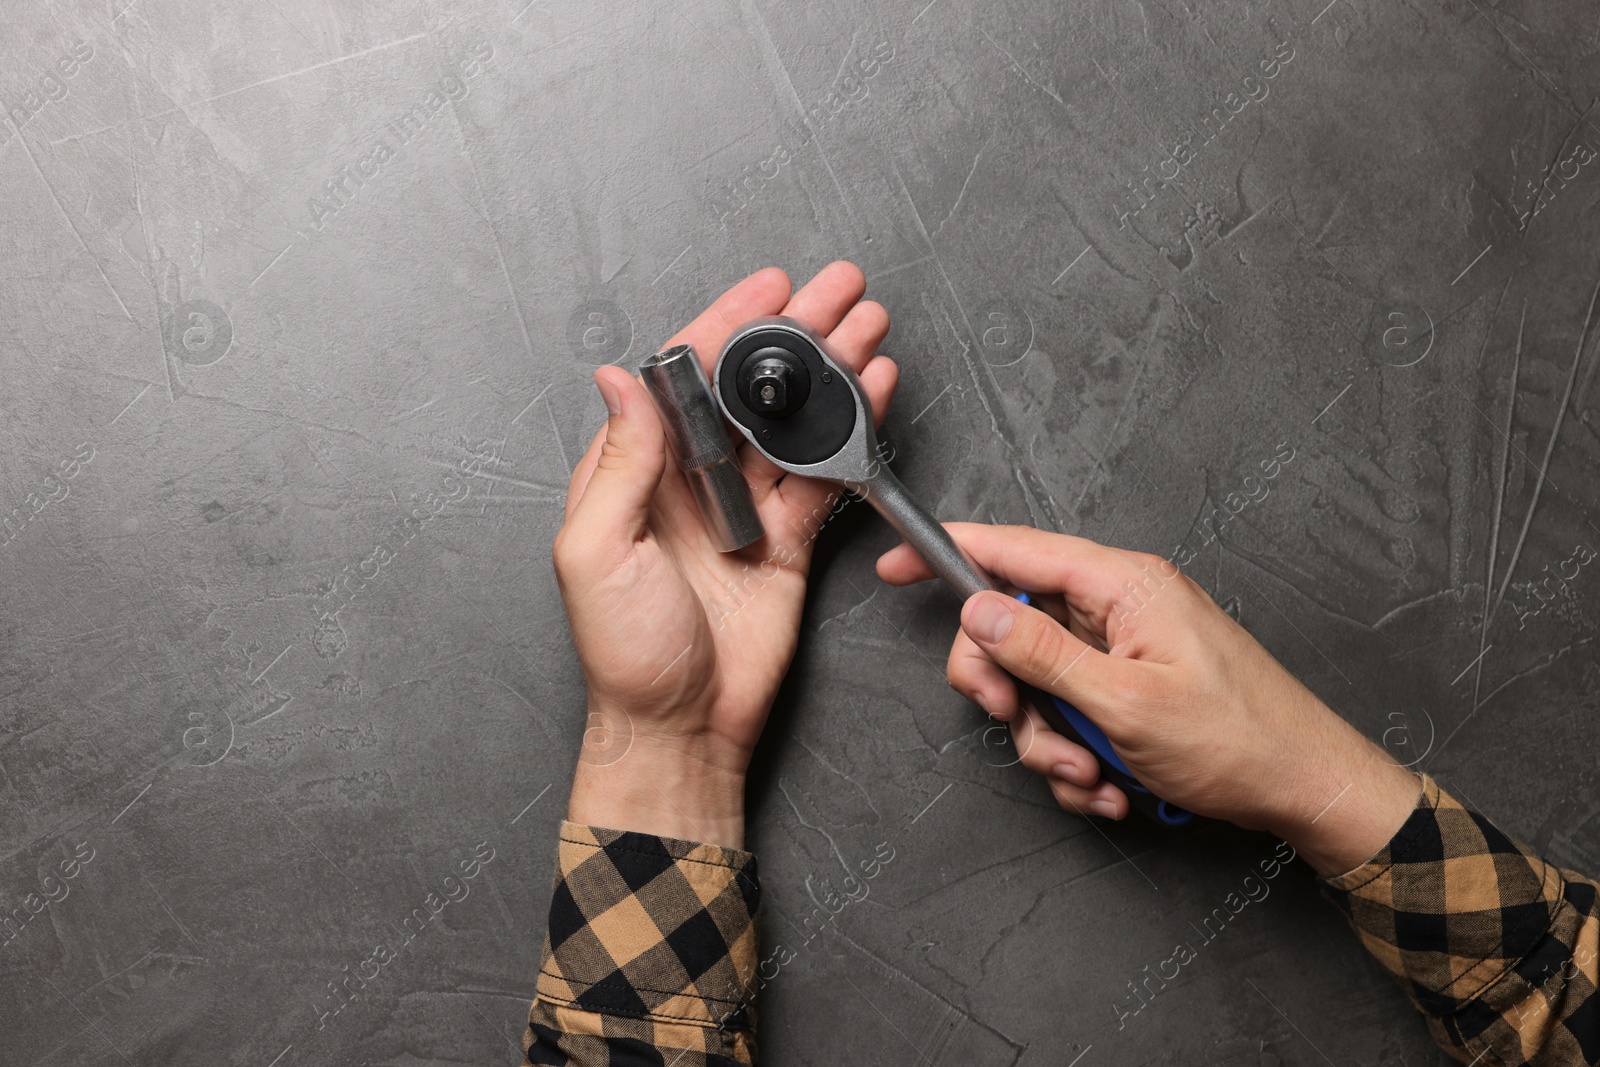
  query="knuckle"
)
[
  {"x": 1192, "y": 591},
  {"x": 1135, "y": 690},
  {"x": 1066, "y": 796},
  {"x": 1162, "y": 567},
  {"x": 1037, "y": 758},
  {"x": 562, "y": 551},
  {"x": 1039, "y": 646}
]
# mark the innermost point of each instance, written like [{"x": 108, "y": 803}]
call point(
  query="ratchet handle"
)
[
  {"x": 1074, "y": 725},
  {"x": 938, "y": 549}
]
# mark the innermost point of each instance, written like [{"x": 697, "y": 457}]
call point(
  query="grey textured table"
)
[{"x": 300, "y": 307}]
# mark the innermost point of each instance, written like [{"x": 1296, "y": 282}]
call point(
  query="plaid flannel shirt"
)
[
  {"x": 1496, "y": 947},
  {"x": 651, "y": 952},
  {"x": 650, "y": 956}
]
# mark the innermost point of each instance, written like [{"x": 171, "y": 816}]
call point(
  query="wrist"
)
[
  {"x": 1347, "y": 803},
  {"x": 683, "y": 785}
]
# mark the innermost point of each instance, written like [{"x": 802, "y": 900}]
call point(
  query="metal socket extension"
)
[{"x": 703, "y": 446}]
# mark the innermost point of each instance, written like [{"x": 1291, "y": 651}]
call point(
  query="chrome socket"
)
[{"x": 704, "y": 449}]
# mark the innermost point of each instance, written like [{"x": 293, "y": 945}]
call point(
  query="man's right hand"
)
[{"x": 1199, "y": 711}]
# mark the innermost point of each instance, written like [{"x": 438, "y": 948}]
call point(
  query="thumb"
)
[
  {"x": 1040, "y": 651},
  {"x": 616, "y": 500}
]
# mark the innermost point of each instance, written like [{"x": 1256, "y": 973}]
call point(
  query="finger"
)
[
  {"x": 823, "y": 301},
  {"x": 1052, "y": 604},
  {"x": 1092, "y": 576},
  {"x": 762, "y": 474},
  {"x": 1055, "y": 606},
  {"x": 763, "y": 293},
  {"x": 1104, "y": 799},
  {"x": 1040, "y": 651},
  {"x": 584, "y": 470},
  {"x": 856, "y": 339},
  {"x": 586, "y": 466},
  {"x": 879, "y": 378},
  {"x": 766, "y": 292},
  {"x": 1046, "y": 752},
  {"x": 1081, "y": 630},
  {"x": 978, "y": 678},
  {"x": 615, "y": 504},
  {"x": 1071, "y": 771}
]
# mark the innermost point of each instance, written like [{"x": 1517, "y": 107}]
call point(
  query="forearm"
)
[
  {"x": 683, "y": 786},
  {"x": 1343, "y": 798}
]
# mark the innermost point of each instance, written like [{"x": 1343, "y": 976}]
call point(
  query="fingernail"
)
[
  {"x": 1103, "y": 807},
  {"x": 1065, "y": 771},
  {"x": 987, "y": 619},
  {"x": 609, "y": 394},
  {"x": 978, "y": 699}
]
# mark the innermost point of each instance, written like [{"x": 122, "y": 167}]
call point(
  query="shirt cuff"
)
[
  {"x": 1450, "y": 903},
  {"x": 651, "y": 939}
]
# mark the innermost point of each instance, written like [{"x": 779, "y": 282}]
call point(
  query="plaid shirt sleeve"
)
[
  {"x": 650, "y": 955},
  {"x": 1496, "y": 947}
]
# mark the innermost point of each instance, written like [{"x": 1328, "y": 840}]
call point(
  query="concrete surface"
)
[{"x": 1116, "y": 290}]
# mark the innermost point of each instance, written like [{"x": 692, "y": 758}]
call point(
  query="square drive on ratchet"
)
[{"x": 806, "y": 412}]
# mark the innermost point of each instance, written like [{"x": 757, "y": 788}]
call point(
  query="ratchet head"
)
[{"x": 796, "y": 403}]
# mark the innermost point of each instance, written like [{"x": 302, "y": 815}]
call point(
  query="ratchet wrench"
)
[{"x": 806, "y": 411}]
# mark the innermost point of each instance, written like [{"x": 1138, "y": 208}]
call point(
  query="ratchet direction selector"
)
[{"x": 806, "y": 412}]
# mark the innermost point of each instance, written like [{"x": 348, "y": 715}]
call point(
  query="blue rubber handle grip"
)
[{"x": 1073, "y": 724}]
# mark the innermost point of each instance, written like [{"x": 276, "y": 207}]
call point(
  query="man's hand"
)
[
  {"x": 683, "y": 647},
  {"x": 1201, "y": 713}
]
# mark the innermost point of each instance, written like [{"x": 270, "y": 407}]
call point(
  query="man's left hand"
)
[{"x": 683, "y": 647}]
